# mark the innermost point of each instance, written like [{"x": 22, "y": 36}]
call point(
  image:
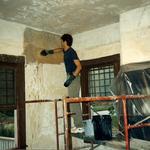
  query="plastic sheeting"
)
[{"x": 134, "y": 79}]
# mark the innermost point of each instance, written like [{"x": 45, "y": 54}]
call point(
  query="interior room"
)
[{"x": 111, "y": 39}]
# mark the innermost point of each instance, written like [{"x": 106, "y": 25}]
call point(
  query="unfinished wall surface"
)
[
  {"x": 135, "y": 35},
  {"x": 35, "y": 41},
  {"x": 44, "y": 80},
  {"x": 41, "y": 126},
  {"x": 98, "y": 43}
]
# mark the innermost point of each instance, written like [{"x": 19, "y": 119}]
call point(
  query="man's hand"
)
[
  {"x": 46, "y": 52},
  {"x": 69, "y": 80}
]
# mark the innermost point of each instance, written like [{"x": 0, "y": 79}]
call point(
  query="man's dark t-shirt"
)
[{"x": 69, "y": 56}]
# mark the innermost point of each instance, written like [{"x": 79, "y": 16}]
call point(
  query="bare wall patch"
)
[{"x": 35, "y": 41}]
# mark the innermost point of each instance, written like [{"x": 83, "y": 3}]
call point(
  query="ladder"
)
[
  {"x": 64, "y": 124},
  {"x": 57, "y": 125}
]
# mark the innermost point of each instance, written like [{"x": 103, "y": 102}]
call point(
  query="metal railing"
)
[
  {"x": 123, "y": 98},
  {"x": 7, "y": 143}
]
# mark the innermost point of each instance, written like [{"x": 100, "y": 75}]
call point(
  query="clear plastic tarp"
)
[{"x": 134, "y": 79}]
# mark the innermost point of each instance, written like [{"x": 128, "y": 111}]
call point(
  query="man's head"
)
[{"x": 67, "y": 39}]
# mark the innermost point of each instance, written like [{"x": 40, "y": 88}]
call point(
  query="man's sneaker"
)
[{"x": 77, "y": 130}]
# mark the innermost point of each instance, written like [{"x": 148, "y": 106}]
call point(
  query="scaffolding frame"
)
[{"x": 123, "y": 98}]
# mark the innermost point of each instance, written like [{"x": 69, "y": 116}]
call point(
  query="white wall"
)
[
  {"x": 135, "y": 35},
  {"x": 11, "y": 38},
  {"x": 98, "y": 43}
]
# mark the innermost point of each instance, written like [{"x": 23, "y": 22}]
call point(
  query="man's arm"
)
[
  {"x": 45, "y": 52},
  {"x": 78, "y": 67},
  {"x": 56, "y": 50}
]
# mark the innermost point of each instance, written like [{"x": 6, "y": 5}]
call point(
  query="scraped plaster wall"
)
[
  {"x": 135, "y": 35},
  {"x": 43, "y": 81}
]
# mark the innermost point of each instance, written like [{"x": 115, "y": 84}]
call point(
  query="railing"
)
[
  {"x": 7, "y": 143},
  {"x": 123, "y": 98}
]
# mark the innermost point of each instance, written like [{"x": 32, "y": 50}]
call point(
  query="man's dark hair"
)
[{"x": 68, "y": 38}]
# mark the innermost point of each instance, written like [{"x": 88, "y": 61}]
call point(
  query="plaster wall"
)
[
  {"x": 98, "y": 43},
  {"x": 44, "y": 80},
  {"x": 11, "y": 38},
  {"x": 135, "y": 35}
]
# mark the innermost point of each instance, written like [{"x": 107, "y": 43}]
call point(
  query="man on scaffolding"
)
[{"x": 73, "y": 68}]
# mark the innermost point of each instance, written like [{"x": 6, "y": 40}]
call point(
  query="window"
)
[
  {"x": 99, "y": 80},
  {"x": 97, "y": 75},
  {"x": 7, "y": 98},
  {"x": 7, "y": 86},
  {"x": 12, "y": 102}
]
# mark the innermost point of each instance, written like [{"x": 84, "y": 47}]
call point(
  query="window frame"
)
[
  {"x": 18, "y": 64},
  {"x": 87, "y": 65}
]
